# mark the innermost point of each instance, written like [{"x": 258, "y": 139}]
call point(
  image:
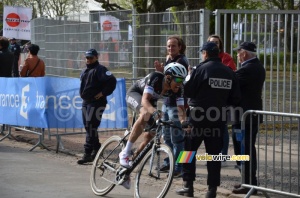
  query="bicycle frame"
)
[
  {"x": 154, "y": 142},
  {"x": 122, "y": 172}
]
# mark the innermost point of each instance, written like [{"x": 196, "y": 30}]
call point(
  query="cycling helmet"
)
[{"x": 176, "y": 70}]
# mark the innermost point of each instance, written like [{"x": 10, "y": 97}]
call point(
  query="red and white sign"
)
[
  {"x": 16, "y": 22},
  {"x": 106, "y": 25},
  {"x": 110, "y": 27}
]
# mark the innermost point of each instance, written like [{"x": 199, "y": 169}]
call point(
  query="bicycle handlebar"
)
[{"x": 168, "y": 123}]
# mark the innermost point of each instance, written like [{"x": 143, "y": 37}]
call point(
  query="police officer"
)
[
  {"x": 15, "y": 48},
  {"x": 96, "y": 83},
  {"x": 211, "y": 86}
]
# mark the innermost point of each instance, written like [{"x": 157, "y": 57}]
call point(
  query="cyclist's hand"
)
[
  {"x": 157, "y": 114},
  {"x": 187, "y": 126}
]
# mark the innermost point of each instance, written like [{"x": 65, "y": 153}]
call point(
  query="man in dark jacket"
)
[
  {"x": 16, "y": 49},
  {"x": 251, "y": 77},
  {"x": 6, "y": 58},
  {"x": 96, "y": 84},
  {"x": 211, "y": 87}
]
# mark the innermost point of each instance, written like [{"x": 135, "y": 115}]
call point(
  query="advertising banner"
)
[
  {"x": 16, "y": 22},
  {"x": 110, "y": 27},
  {"x": 54, "y": 102}
]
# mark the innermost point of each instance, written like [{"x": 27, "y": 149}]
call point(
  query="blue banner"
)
[{"x": 54, "y": 102}]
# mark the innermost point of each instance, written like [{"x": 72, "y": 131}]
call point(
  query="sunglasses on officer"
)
[
  {"x": 178, "y": 80},
  {"x": 89, "y": 57}
]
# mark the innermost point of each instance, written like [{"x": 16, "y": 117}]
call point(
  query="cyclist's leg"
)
[
  {"x": 148, "y": 136},
  {"x": 133, "y": 100},
  {"x": 137, "y": 130}
]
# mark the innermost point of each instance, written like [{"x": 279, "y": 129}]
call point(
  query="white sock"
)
[{"x": 128, "y": 147}]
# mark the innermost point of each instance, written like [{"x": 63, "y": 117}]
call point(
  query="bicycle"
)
[{"x": 107, "y": 172}]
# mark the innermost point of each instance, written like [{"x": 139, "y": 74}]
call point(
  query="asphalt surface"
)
[{"x": 44, "y": 174}]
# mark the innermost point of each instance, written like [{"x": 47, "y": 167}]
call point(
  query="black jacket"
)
[
  {"x": 16, "y": 49},
  {"x": 6, "y": 63},
  {"x": 251, "y": 77},
  {"x": 95, "y": 79},
  {"x": 212, "y": 87}
]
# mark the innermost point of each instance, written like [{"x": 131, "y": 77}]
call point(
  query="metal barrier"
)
[
  {"x": 37, "y": 131},
  {"x": 278, "y": 153},
  {"x": 60, "y": 117},
  {"x": 276, "y": 34},
  {"x": 59, "y": 133},
  {"x": 139, "y": 39}
]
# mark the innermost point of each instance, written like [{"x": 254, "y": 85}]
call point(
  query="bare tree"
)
[{"x": 50, "y": 8}]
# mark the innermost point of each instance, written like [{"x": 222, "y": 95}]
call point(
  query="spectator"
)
[
  {"x": 16, "y": 49},
  {"x": 33, "y": 66},
  {"x": 228, "y": 61},
  {"x": 225, "y": 57},
  {"x": 210, "y": 87},
  {"x": 25, "y": 49},
  {"x": 173, "y": 137},
  {"x": 251, "y": 77},
  {"x": 142, "y": 97},
  {"x": 96, "y": 84},
  {"x": 6, "y": 58}
]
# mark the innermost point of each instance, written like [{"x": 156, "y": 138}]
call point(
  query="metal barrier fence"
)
[
  {"x": 129, "y": 43},
  {"x": 278, "y": 153},
  {"x": 58, "y": 133},
  {"x": 277, "y": 35}
]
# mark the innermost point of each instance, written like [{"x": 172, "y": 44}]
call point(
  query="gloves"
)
[
  {"x": 156, "y": 114},
  {"x": 186, "y": 124}
]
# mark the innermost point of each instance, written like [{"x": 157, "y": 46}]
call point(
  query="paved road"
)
[{"x": 44, "y": 174}]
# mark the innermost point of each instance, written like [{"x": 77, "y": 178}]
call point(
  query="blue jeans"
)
[
  {"x": 173, "y": 137},
  {"x": 225, "y": 141}
]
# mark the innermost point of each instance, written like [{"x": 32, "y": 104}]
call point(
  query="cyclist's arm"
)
[
  {"x": 181, "y": 113},
  {"x": 146, "y": 102},
  {"x": 181, "y": 109}
]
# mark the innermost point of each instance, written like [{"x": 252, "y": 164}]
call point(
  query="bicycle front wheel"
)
[
  {"x": 150, "y": 182},
  {"x": 105, "y": 165}
]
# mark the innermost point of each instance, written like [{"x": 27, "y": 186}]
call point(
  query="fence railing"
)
[
  {"x": 278, "y": 153},
  {"x": 129, "y": 43}
]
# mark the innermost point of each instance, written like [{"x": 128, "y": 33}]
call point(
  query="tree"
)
[
  {"x": 285, "y": 4},
  {"x": 50, "y": 8}
]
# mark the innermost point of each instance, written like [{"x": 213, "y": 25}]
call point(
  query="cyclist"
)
[{"x": 142, "y": 97}]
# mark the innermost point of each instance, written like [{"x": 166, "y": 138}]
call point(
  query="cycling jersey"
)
[{"x": 153, "y": 85}]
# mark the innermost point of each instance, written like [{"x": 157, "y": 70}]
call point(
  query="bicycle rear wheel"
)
[
  {"x": 103, "y": 174},
  {"x": 150, "y": 182}
]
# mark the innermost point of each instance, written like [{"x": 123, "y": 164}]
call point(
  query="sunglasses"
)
[
  {"x": 178, "y": 80},
  {"x": 89, "y": 58}
]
